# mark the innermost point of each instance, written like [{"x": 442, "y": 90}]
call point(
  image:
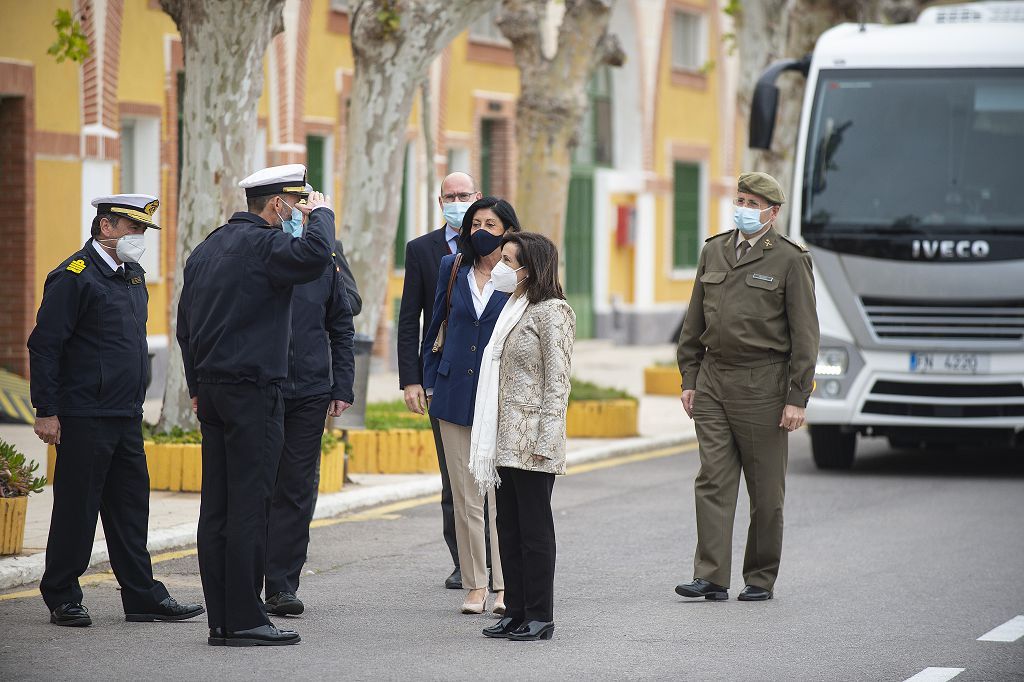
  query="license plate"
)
[{"x": 949, "y": 363}]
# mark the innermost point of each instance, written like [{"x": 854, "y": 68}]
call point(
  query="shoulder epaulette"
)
[
  {"x": 76, "y": 266},
  {"x": 716, "y": 236},
  {"x": 794, "y": 242}
]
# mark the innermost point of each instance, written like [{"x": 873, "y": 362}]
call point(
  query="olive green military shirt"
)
[{"x": 758, "y": 311}]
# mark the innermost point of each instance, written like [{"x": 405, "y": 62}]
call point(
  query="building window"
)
[
  {"x": 487, "y": 127},
  {"x": 339, "y": 5},
  {"x": 686, "y": 211},
  {"x": 318, "y": 163},
  {"x": 485, "y": 29},
  {"x": 402, "y": 231},
  {"x": 688, "y": 47},
  {"x": 595, "y": 137},
  {"x": 140, "y": 174},
  {"x": 458, "y": 160}
]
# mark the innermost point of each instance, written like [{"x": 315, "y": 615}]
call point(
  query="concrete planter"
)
[
  {"x": 660, "y": 380},
  {"x": 602, "y": 419},
  {"x": 12, "y": 524},
  {"x": 179, "y": 467},
  {"x": 332, "y": 469},
  {"x": 395, "y": 451}
]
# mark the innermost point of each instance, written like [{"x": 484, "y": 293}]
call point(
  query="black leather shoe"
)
[
  {"x": 454, "y": 581},
  {"x": 71, "y": 615},
  {"x": 702, "y": 588},
  {"x": 264, "y": 635},
  {"x": 168, "y": 609},
  {"x": 217, "y": 637},
  {"x": 503, "y": 628},
  {"x": 755, "y": 593},
  {"x": 532, "y": 631},
  {"x": 285, "y": 604}
]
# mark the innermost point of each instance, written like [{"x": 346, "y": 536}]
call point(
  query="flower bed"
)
[
  {"x": 663, "y": 379},
  {"x": 600, "y": 412},
  {"x": 17, "y": 482},
  {"x": 395, "y": 441}
]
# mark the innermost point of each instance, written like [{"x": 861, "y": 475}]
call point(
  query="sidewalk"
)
[{"x": 173, "y": 515}]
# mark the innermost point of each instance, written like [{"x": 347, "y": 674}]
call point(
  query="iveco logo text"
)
[{"x": 947, "y": 248}]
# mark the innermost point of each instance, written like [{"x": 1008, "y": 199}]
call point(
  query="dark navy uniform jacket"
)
[
  {"x": 453, "y": 373},
  {"x": 236, "y": 298},
  {"x": 88, "y": 352},
  {"x": 320, "y": 356}
]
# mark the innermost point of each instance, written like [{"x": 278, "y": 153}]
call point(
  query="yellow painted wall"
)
[
  {"x": 327, "y": 53},
  {"x": 143, "y": 40},
  {"x": 58, "y": 232},
  {"x": 689, "y": 116},
  {"x": 621, "y": 259},
  {"x": 466, "y": 77}
]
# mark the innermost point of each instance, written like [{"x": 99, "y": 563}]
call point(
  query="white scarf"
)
[{"x": 484, "y": 443}]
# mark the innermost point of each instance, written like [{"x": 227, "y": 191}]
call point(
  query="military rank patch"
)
[
  {"x": 76, "y": 266},
  {"x": 136, "y": 280}
]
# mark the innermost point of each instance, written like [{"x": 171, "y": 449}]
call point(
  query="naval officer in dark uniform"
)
[
  {"x": 321, "y": 373},
  {"x": 747, "y": 354},
  {"x": 88, "y": 355},
  {"x": 233, "y": 331}
]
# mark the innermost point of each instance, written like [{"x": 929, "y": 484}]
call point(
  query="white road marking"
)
[
  {"x": 1010, "y": 631},
  {"x": 935, "y": 675}
]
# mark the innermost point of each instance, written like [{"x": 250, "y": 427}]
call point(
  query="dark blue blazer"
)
[{"x": 454, "y": 372}]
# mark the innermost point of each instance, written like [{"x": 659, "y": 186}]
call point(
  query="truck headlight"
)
[{"x": 832, "y": 362}]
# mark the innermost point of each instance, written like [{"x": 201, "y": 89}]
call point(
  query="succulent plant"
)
[{"x": 17, "y": 477}]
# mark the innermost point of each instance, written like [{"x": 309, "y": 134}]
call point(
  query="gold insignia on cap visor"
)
[
  {"x": 151, "y": 207},
  {"x": 140, "y": 216}
]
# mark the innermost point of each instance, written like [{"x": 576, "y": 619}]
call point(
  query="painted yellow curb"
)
[
  {"x": 662, "y": 381},
  {"x": 395, "y": 451},
  {"x": 602, "y": 419},
  {"x": 12, "y": 524}
]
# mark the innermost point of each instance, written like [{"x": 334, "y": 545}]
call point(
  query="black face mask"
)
[{"x": 485, "y": 243}]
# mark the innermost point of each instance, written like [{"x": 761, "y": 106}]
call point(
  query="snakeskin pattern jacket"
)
[{"x": 533, "y": 392}]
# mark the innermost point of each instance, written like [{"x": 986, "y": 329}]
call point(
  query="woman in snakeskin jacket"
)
[{"x": 529, "y": 450}]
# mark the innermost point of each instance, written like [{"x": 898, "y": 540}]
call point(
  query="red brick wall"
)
[{"x": 17, "y": 236}]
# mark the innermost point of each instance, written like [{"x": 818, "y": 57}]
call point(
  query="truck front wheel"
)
[{"x": 831, "y": 447}]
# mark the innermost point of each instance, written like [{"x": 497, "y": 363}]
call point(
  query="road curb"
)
[{"x": 17, "y": 571}]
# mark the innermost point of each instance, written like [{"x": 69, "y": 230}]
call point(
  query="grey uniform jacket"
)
[{"x": 533, "y": 393}]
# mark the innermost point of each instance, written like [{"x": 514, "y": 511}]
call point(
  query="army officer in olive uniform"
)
[{"x": 747, "y": 354}]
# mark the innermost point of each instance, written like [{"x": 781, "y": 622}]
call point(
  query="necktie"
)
[
  {"x": 449, "y": 245},
  {"x": 741, "y": 251}
]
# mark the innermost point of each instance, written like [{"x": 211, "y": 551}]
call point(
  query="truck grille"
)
[
  {"x": 964, "y": 321},
  {"x": 945, "y": 400}
]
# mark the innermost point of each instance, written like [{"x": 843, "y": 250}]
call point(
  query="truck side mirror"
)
[{"x": 765, "y": 103}]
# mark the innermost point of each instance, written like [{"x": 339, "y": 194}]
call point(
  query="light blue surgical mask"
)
[
  {"x": 455, "y": 212},
  {"x": 293, "y": 225},
  {"x": 748, "y": 220}
]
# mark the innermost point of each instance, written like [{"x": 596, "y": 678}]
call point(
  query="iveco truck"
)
[{"x": 909, "y": 192}]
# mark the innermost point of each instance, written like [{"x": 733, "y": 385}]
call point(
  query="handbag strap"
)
[{"x": 451, "y": 285}]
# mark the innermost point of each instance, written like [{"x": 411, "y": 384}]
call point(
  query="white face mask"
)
[
  {"x": 130, "y": 247},
  {"x": 504, "y": 277}
]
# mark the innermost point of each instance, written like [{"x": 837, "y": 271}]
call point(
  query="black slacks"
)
[
  {"x": 100, "y": 470},
  {"x": 447, "y": 504},
  {"x": 526, "y": 539},
  {"x": 243, "y": 432},
  {"x": 295, "y": 492}
]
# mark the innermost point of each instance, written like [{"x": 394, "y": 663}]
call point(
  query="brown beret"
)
[{"x": 763, "y": 185}]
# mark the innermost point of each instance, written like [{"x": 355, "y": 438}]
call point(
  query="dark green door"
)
[{"x": 579, "y": 250}]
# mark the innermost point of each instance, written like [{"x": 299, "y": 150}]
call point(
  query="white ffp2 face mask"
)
[
  {"x": 504, "y": 277},
  {"x": 131, "y": 247}
]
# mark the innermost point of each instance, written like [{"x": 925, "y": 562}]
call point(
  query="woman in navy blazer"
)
[{"x": 450, "y": 378}]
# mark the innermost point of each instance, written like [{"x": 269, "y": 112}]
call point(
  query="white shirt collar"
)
[
  {"x": 749, "y": 240},
  {"x": 480, "y": 298},
  {"x": 105, "y": 256},
  {"x": 450, "y": 233}
]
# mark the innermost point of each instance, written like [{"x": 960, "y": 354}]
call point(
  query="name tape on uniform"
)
[{"x": 764, "y": 278}]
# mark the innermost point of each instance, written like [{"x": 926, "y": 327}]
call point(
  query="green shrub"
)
[
  {"x": 667, "y": 363},
  {"x": 175, "y": 436},
  {"x": 585, "y": 390},
  {"x": 394, "y": 415},
  {"x": 17, "y": 477},
  {"x": 328, "y": 442}
]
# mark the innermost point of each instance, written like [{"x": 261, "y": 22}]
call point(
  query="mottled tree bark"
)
[
  {"x": 553, "y": 99},
  {"x": 393, "y": 41},
  {"x": 768, "y": 30},
  {"x": 224, "y": 42}
]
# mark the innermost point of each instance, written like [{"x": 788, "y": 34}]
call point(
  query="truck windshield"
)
[{"x": 916, "y": 151}]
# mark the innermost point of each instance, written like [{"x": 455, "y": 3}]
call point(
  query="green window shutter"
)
[
  {"x": 685, "y": 215},
  {"x": 315, "y": 163},
  {"x": 486, "y": 154},
  {"x": 400, "y": 237}
]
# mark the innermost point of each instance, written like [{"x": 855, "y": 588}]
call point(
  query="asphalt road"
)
[{"x": 895, "y": 567}]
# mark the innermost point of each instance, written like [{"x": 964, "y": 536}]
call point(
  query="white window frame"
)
[
  {"x": 485, "y": 29},
  {"x": 700, "y": 52},
  {"x": 145, "y": 179}
]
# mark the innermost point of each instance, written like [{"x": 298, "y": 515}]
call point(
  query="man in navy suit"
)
[{"x": 422, "y": 261}]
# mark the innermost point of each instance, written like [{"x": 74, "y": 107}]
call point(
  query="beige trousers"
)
[{"x": 469, "y": 512}]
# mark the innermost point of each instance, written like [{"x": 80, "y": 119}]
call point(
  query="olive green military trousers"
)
[{"x": 737, "y": 411}]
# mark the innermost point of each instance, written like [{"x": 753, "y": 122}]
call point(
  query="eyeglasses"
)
[
  {"x": 748, "y": 203},
  {"x": 461, "y": 196}
]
